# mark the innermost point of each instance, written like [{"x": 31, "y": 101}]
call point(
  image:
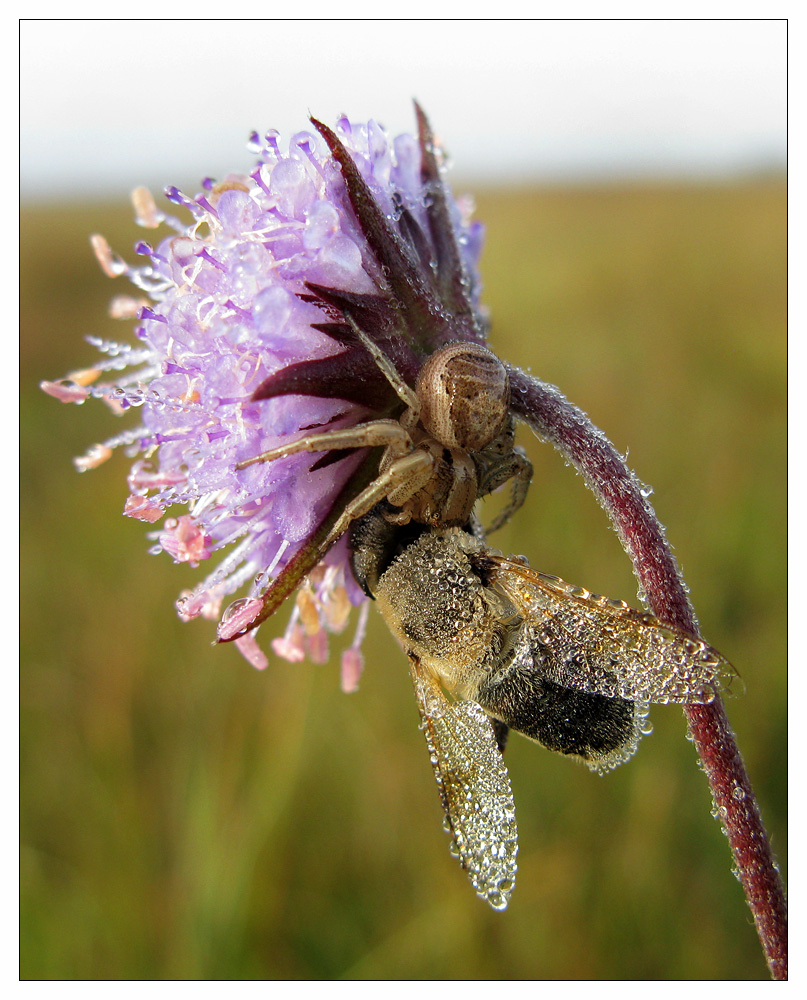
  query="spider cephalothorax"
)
[{"x": 453, "y": 442}]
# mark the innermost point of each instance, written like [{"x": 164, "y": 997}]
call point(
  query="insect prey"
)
[{"x": 492, "y": 644}]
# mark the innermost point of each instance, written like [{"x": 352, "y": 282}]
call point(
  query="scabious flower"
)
[{"x": 245, "y": 338}]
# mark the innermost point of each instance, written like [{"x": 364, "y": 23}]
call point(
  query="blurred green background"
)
[{"x": 184, "y": 816}]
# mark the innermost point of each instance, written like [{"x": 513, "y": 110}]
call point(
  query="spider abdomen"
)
[{"x": 464, "y": 393}]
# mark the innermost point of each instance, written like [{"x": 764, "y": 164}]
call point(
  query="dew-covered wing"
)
[
  {"x": 474, "y": 788},
  {"x": 594, "y": 644}
]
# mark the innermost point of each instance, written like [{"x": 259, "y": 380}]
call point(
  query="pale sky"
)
[{"x": 107, "y": 105}]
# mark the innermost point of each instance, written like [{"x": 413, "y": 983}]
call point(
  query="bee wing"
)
[
  {"x": 591, "y": 643},
  {"x": 474, "y": 788}
]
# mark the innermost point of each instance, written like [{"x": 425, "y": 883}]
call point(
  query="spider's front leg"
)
[
  {"x": 386, "y": 433},
  {"x": 405, "y": 477}
]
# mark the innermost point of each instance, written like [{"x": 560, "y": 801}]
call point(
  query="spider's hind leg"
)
[
  {"x": 516, "y": 467},
  {"x": 405, "y": 393}
]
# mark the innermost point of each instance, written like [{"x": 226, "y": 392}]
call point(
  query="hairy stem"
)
[{"x": 555, "y": 419}]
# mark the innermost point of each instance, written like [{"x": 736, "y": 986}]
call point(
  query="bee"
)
[
  {"x": 522, "y": 650},
  {"x": 513, "y": 648}
]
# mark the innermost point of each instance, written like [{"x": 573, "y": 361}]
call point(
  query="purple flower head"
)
[{"x": 246, "y": 337}]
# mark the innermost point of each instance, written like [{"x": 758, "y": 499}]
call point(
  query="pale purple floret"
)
[{"x": 224, "y": 303}]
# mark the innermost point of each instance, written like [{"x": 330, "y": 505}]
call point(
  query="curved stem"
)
[{"x": 555, "y": 419}]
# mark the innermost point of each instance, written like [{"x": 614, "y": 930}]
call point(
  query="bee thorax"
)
[{"x": 441, "y": 612}]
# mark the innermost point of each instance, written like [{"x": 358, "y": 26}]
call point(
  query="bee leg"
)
[{"x": 500, "y": 731}]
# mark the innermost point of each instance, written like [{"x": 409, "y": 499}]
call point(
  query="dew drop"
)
[
  {"x": 238, "y": 616},
  {"x": 496, "y": 899}
]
